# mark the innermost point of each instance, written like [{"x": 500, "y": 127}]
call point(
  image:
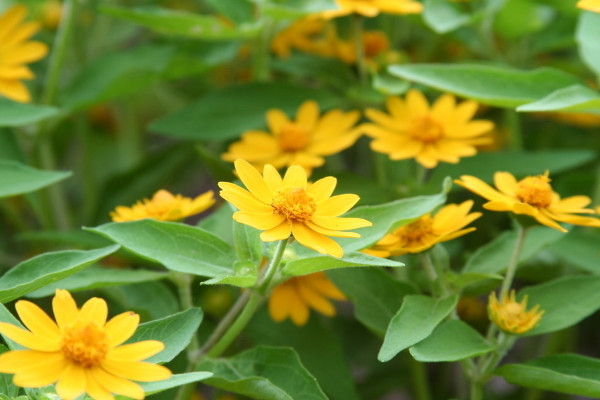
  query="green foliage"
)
[
  {"x": 309, "y": 265},
  {"x": 587, "y": 32},
  {"x": 443, "y": 16},
  {"x": 17, "y": 114},
  {"x": 574, "y": 98},
  {"x": 18, "y": 178}
]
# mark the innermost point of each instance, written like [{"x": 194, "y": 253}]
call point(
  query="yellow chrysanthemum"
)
[
  {"x": 531, "y": 196},
  {"x": 299, "y": 35},
  {"x": 303, "y": 142},
  {"x": 372, "y": 8},
  {"x": 590, "y": 5},
  {"x": 291, "y": 206},
  {"x": 447, "y": 224},
  {"x": 81, "y": 351},
  {"x": 511, "y": 316},
  {"x": 16, "y": 51},
  {"x": 413, "y": 129},
  {"x": 164, "y": 207},
  {"x": 295, "y": 297}
]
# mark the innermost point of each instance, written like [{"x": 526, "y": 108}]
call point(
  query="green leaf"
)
[
  {"x": 97, "y": 277},
  {"x": 175, "y": 331},
  {"x": 488, "y": 84},
  {"x": 6, "y": 316},
  {"x": 518, "y": 18},
  {"x": 579, "y": 249},
  {"x": 141, "y": 298},
  {"x": 563, "y": 373},
  {"x": 452, "y": 340},
  {"x": 376, "y": 295},
  {"x": 247, "y": 243},
  {"x": 444, "y": 16},
  {"x": 7, "y": 387},
  {"x": 461, "y": 281},
  {"x": 181, "y": 23},
  {"x": 45, "y": 269},
  {"x": 238, "y": 11},
  {"x": 576, "y": 98},
  {"x": 296, "y": 9},
  {"x": 175, "y": 381},
  {"x": 417, "y": 318},
  {"x": 566, "y": 301},
  {"x": 17, "y": 114},
  {"x": 17, "y": 178},
  {"x": 266, "y": 373},
  {"x": 389, "y": 85},
  {"x": 588, "y": 31},
  {"x": 209, "y": 118},
  {"x": 178, "y": 247},
  {"x": 309, "y": 265},
  {"x": 245, "y": 274},
  {"x": 494, "y": 257}
]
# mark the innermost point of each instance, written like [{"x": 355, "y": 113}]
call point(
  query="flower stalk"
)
[{"x": 357, "y": 27}]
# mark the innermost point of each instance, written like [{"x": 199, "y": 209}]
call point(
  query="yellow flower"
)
[
  {"x": 164, "y": 207},
  {"x": 372, "y": 8},
  {"x": 374, "y": 43},
  {"x": 303, "y": 142},
  {"x": 511, "y": 316},
  {"x": 295, "y": 297},
  {"x": 447, "y": 224},
  {"x": 590, "y": 5},
  {"x": 16, "y": 51},
  {"x": 81, "y": 351},
  {"x": 299, "y": 35},
  {"x": 413, "y": 129},
  {"x": 51, "y": 13},
  {"x": 291, "y": 206},
  {"x": 531, "y": 196}
]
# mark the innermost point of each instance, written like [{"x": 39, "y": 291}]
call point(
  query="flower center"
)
[
  {"x": 416, "y": 233},
  {"x": 512, "y": 311},
  {"x": 535, "y": 190},
  {"x": 374, "y": 44},
  {"x": 294, "y": 203},
  {"x": 85, "y": 344},
  {"x": 426, "y": 129},
  {"x": 292, "y": 137}
]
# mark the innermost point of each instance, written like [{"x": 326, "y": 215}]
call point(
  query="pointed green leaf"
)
[
  {"x": 518, "y": 18},
  {"x": 7, "y": 387},
  {"x": 588, "y": 31},
  {"x": 17, "y": 114},
  {"x": 17, "y": 178},
  {"x": 247, "y": 243},
  {"x": 265, "y": 373},
  {"x": 175, "y": 381},
  {"x": 452, "y": 340},
  {"x": 417, "y": 318},
  {"x": 309, "y": 265},
  {"x": 563, "y": 373},
  {"x": 444, "y": 16},
  {"x": 47, "y": 268},
  {"x": 580, "y": 249},
  {"x": 178, "y": 247},
  {"x": 576, "y": 99}
]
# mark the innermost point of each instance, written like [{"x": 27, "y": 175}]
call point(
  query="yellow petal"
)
[
  {"x": 272, "y": 177},
  {"x": 308, "y": 115},
  {"x": 18, "y": 361},
  {"x": 279, "y": 301},
  {"x": 336, "y": 205},
  {"x": 573, "y": 204},
  {"x": 276, "y": 119},
  {"x": 14, "y": 90},
  {"x": 385, "y": 120},
  {"x": 417, "y": 103},
  {"x": 136, "y": 371},
  {"x": 336, "y": 223},
  {"x": 321, "y": 283},
  {"x": 280, "y": 232},
  {"x": 478, "y": 186},
  {"x": 499, "y": 206},
  {"x": 117, "y": 385},
  {"x": 25, "y": 53},
  {"x": 121, "y": 327},
  {"x": 42, "y": 372},
  {"x": 506, "y": 183},
  {"x": 64, "y": 308},
  {"x": 295, "y": 176},
  {"x": 262, "y": 221},
  {"x": 10, "y": 19},
  {"x": 322, "y": 189},
  {"x": 253, "y": 181},
  {"x": 316, "y": 241},
  {"x": 72, "y": 382},
  {"x": 331, "y": 232},
  {"x": 94, "y": 310},
  {"x": 36, "y": 320},
  {"x": 93, "y": 388},
  {"x": 21, "y": 34},
  {"x": 315, "y": 301},
  {"x": 408, "y": 149},
  {"x": 28, "y": 339},
  {"x": 136, "y": 351},
  {"x": 242, "y": 199}
]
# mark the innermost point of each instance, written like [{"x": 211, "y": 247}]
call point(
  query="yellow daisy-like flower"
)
[
  {"x": 304, "y": 141},
  {"x": 447, "y": 224},
  {"x": 372, "y": 8},
  {"x": 295, "y": 297},
  {"x": 16, "y": 51},
  {"x": 374, "y": 43},
  {"x": 81, "y": 351},
  {"x": 291, "y": 206},
  {"x": 164, "y": 207},
  {"x": 413, "y": 129},
  {"x": 531, "y": 196},
  {"x": 299, "y": 35},
  {"x": 589, "y": 5},
  {"x": 511, "y": 316}
]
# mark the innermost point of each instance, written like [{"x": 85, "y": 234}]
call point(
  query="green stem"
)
[
  {"x": 514, "y": 125},
  {"x": 264, "y": 283},
  {"x": 184, "y": 289},
  {"x": 357, "y": 25},
  {"x": 380, "y": 169},
  {"x": 514, "y": 259},
  {"x": 476, "y": 390},
  {"x": 419, "y": 375},
  {"x": 261, "y": 50}
]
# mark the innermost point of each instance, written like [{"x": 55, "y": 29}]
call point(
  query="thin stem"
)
[
  {"x": 263, "y": 284},
  {"x": 476, "y": 390},
  {"x": 357, "y": 25},
  {"x": 514, "y": 259},
  {"x": 514, "y": 125},
  {"x": 380, "y": 169},
  {"x": 419, "y": 376},
  {"x": 260, "y": 50},
  {"x": 184, "y": 290}
]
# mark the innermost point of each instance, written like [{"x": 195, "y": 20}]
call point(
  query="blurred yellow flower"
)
[
  {"x": 299, "y": 35},
  {"x": 511, "y": 316},
  {"x": 295, "y": 297},
  {"x": 81, "y": 351},
  {"x": 531, "y": 196},
  {"x": 164, "y": 207},
  {"x": 291, "y": 206},
  {"x": 303, "y": 142},
  {"x": 51, "y": 13},
  {"x": 447, "y": 224},
  {"x": 589, "y": 5},
  {"x": 16, "y": 51},
  {"x": 413, "y": 129},
  {"x": 374, "y": 43},
  {"x": 372, "y": 8}
]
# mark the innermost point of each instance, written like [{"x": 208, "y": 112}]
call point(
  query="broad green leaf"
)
[
  {"x": 388, "y": 85},
  {"x": 417, "y": 318},
  {"x": 574, "y": 98},
  {"x": 181, "y": 23},
  {"x": 45, "y": 269},
  {"x": 97, "y": 277},
  {"x": 579, "y": 249},
  {"x": 488, "y": 84},
  {"x": 7, "y": 387},
  {"x": 238, "y": 11},
  {"x": 17, "y": 178},
  {"x": 175, "y": 381},
  {"x": 444, "y": 16},
  {"x": 563, "y": 373},
  {"x": 17, "y": 114},
  {"x": 452, "y": 340},
  {"x": 309, "y": 265},
  {"x": 265, "y": 373},
  {"x": 565, "y": 302},
  {"x": 296, "y": 9},
  {"x": 588, "y": 31},
  {"x": 461, "y": 281},
  {"x": 494, "y": 257},
  {"x": 518, "y": 18},
  {"x": 247, "y": 243},
  {"x": 376, "y": 295},
  {"x": 6, "y": 316},
  {"x": 141, "y": 298},
  {"x": 330, "y": 71},
  {"x": 178, "y": 247},
  {"x": 245, "y": 274},
  {"x": 220, "y": 223},
  {"x": 210, "y": 117},
  {"x": 175, "y": 331}
]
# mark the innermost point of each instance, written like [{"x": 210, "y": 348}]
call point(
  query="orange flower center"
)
[
  {"x": 85, "y": 344},
  {"x": 426, "y": 129},
  {"x": 535, "y": 190},
  {"x": 374, "y": 44},
  {"x": 416, "y": 233},
  {"x": 292, "y": 137},
  {"x": 294, "y": 203}
]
